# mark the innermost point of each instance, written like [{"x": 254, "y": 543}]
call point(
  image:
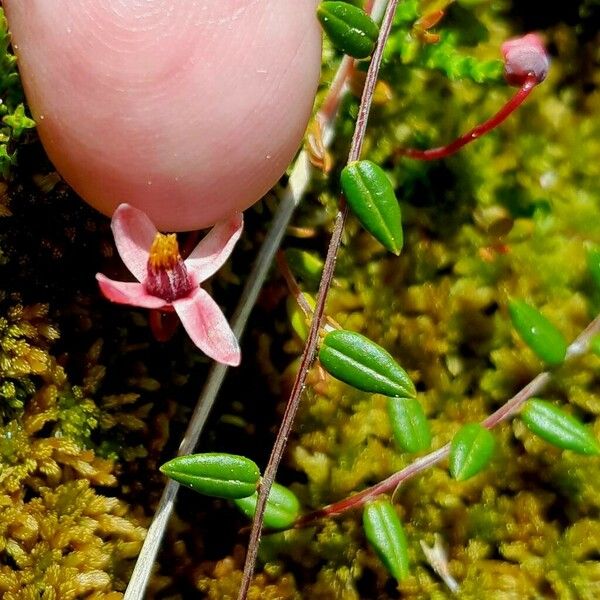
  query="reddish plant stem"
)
[
  {"x": 313, "y": 335},
  {"x": 295, "y": 190},
  {"x": 442, "y": 151},
  {"x": 505, "y": 412}
]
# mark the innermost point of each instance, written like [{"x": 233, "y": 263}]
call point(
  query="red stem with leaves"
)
[
  {"x": 311, "y": 344},
  {"x": 509, "y": 409}
]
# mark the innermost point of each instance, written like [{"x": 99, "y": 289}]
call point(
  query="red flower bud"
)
[{"x": 523, "y": 57}]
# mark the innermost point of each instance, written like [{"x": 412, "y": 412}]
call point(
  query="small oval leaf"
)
[
  {"x": 282, "y": 507},
  {"x": 349, "y": 28},
  {"x": 215, "y": 474},
  {"x": 538, "y": 332},
  {"x": 385, "y": 533},
  {"x": 470, "y": 451},
  {"x": 409, "y": 424},
  {"x": 558, "y": 427},
  {"x": 356, "y": 360},
  {"x": 371, "y": 196}
]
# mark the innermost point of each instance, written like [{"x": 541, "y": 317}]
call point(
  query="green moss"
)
[
  {"x": 12, "y": 110},
  {"x": 68, "y": 542}
]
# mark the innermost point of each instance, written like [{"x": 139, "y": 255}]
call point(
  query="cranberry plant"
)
[{"x": 368, "y": 193}]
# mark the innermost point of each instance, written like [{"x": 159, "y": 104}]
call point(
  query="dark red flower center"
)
[{"x": 167, "y": 274}]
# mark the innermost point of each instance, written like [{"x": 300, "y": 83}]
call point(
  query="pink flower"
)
[
  {"x": 166, "y": 282},
  {"x": 525, "y": 57}
]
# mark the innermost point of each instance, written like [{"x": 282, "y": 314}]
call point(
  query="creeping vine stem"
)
[
  {"x": 313, "y": 335},
  {"x": 510, "y": 408}
]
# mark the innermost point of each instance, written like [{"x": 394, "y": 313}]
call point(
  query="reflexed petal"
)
[
  {"x": 125, "y": 292},
  {"x": 208, "y": 327},
  {"x": 134, "y": 234},
  {"x": 214, "y": 249}
]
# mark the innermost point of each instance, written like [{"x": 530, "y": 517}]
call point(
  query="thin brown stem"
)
[
  {"x": 506, "y": 411},
  {"x": 313, "y": 335},
  {"x": 442, "y": 151}
]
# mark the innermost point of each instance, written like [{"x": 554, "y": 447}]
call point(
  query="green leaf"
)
[
  {"x": 385, "y": 533},
  {"x": 282, "y": 507},
  {"x": 538, "y": 333},
  {"x": 350, "y": 28},
  {"x": 215, "y": 474},
  {"x": 470, "y": 451},
  {"x": 18, "y": 121},
  {"x": 356, "y": 360},
  {"x": 595, "y": 345},
  {"x": 371, "y": 196},
  {"x": 558, "y": 427},
  {"x": 409, "y": 424}
]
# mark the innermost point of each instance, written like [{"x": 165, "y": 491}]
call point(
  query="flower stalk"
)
[
  {"x": 477, "y": 131},
  {"x": 526, "y": 65}
]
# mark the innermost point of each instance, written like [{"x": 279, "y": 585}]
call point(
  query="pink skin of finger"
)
[{"x": 189, "y": 110}]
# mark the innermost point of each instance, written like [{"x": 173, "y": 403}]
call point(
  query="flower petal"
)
[
  {"x": 214, "y": 249},
  {"x": 208, "y": 327},
  {"x": 124, "y": 292},
  {"x": 134, "y": 233}
]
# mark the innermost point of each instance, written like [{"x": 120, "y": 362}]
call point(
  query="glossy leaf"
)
[
  {"x": 282, "y": 507},
  {"x": 349, "y": 28},
  {"x": 356, "y": 360},
  {"x": 215, "y": 474},
  {"x": 470, "y": 451},
  {"x": 558, "y": 427},
  {"x": 371, "y": 196},
  {"x": 385, "y": 533},
  {"x": 538, "y": 332},
  {"x": 409, "y": 424}
]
